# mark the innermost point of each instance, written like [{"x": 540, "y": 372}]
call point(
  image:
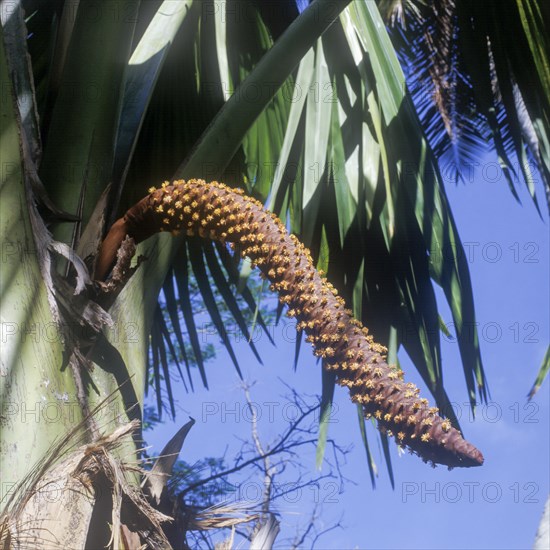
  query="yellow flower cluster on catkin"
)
[{"x": 217, "y": 212}]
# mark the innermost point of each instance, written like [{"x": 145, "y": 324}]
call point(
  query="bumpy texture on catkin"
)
[{"x": 215, "y": 211}]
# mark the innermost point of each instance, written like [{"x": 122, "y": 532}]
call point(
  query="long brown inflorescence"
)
[{"x": 215, "y": 211}]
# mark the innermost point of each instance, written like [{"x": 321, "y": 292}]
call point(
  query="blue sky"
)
[{"x": 495, "y": 506}]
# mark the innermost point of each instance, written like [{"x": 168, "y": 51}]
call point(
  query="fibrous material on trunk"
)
[
  {"x": 59, "y": 503},
  {"x": 215, "y": 211}
]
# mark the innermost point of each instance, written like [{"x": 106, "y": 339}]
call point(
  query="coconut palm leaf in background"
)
[{"x": 471, "y": 86}]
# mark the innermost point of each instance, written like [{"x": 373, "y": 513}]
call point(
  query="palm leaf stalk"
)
[{"x": 220, "y": 213}]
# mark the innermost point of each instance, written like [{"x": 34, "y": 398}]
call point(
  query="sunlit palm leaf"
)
[{"x": 141, "y": 76}]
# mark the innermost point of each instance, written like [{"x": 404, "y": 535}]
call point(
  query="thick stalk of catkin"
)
[{"x": 215, "y": 211}]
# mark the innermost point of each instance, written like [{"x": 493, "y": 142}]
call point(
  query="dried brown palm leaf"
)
[
  {"x": 59, "y": 506},
  {"x": 221, "y": 516}
]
